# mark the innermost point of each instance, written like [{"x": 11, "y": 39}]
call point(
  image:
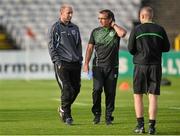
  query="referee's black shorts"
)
[{"x": 147, "y": 79}]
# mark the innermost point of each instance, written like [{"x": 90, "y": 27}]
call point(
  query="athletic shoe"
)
[
  {"x": 96, "y": 119},
  {"x": 152, "y": 130},
  {"x": 109, "y": 120},
  {"x": 139, "y": 129},
  {"x": 69, "y": 121},
  {"x": 61, "y": 114}
]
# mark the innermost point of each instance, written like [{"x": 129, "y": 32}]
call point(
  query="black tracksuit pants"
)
[
  {"x": 104, "y": 78},
  {"x": 68, "y": 76}
]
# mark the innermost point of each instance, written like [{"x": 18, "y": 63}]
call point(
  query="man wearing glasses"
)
[{"x": 104, "y": 41}]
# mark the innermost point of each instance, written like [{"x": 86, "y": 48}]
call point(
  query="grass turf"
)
[{"x": 30, "y": 108}]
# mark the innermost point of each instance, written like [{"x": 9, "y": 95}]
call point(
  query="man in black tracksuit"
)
[
  {"x": 105, "y": 41},
  {"x": 66, "y": 53},
  {"x": 147, "y": 41}
]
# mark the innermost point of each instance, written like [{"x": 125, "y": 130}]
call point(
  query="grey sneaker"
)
[
  {"x": 69, "y": 121},
  {"x": 109, "y": 120},
  {"x": 96, "y": 119},
  {"x": 61, "y": 114},
  {"x": 139, "y": 129},
  {"x": 152, "y": 130}
]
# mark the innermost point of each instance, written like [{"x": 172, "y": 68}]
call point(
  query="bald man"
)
[
  {"x": 65, "y": 50},
  {"x": 147, "y": 41}
]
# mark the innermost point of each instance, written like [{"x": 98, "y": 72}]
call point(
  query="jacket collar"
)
[{"x": 69, "y": 24}]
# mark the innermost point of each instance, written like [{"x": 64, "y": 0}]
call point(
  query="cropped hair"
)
[
  {"x": 110, "y": 14},
  {"x": 148, "y": 9}
]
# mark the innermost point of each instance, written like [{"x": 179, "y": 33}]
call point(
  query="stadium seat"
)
[{"x": 16, "y": 15}]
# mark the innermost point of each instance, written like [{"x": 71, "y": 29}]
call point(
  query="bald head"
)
[
  {"x": 66, "y": 13},
  {"x": 146, "y": 14}
]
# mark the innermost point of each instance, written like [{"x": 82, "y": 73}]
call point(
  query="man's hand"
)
[
  {"x": 86, "y": 68},
  {"x": 112, "y": 24},
  {"x": 121, "y": 32}
]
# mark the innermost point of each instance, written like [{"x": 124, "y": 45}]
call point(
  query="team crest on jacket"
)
[
  {"x": 111, "y": 34},
  {"x": 73, "y": 32}
]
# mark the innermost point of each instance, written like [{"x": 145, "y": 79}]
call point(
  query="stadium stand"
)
[
  {"x": 6, "y": 42},
  {"x": 27, "y": 21}
]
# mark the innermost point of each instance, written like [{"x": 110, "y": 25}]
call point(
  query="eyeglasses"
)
[{"x": 102, "y": 18}]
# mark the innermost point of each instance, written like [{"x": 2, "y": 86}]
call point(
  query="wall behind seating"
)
[{"x": 37, "y": 65}]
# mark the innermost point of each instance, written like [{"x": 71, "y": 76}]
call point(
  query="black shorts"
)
[{"x": 147, "y": 79}]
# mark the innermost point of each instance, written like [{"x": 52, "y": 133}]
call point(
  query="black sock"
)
[
  {"x": 152, "y": 123},
  {"x": 140, "y": 121}
]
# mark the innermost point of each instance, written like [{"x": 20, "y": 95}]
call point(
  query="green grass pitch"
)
[{"x": 30, "y": 108}]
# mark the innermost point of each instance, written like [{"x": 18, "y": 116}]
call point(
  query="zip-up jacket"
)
[
  {"x": 147, "y": 42},
  {"x": 65, "y": 43}
]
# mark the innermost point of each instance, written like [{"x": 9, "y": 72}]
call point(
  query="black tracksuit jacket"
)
[
  {"x": 147, "y": 42},
  {"x": 65, "y": 43}
]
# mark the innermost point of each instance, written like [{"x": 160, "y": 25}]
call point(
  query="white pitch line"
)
[
  {"x": 76, "y": 103},
  {"x": 56, "y": 99},
  {"x": 82, "y": 104},
  {"x": 174, "y": 108},
  {"x": 88, "y": 104}
]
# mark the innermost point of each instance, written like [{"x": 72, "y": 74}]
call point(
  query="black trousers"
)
[
  {"x": 104, "y": 78},
  {"x": 68, "y": 76}
]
